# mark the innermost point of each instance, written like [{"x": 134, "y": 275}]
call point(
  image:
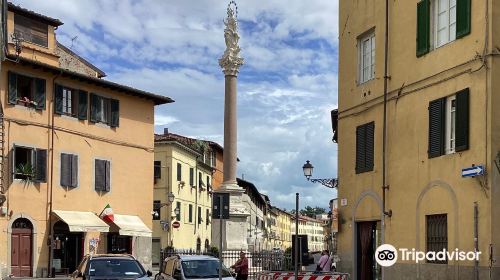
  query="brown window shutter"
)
[
  {"x": 74, "y": 171},
  {"x": 40, "y": 165},
  {"x": 108, "y": 176},
  {"x": 462, "y": 121},
  {"x": 100, "y": 175},
  {"x": 65, "y": 170}
]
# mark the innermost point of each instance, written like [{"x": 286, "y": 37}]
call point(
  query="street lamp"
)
[
  {"x": 170, "y": 198},
  {"x": 308, "y": 170}
]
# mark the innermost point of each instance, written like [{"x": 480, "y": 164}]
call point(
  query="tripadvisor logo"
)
[{"x": 387, "y": 255}]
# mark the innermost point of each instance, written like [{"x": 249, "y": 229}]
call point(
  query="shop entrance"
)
[
  {"x": 119, "y": 244},
  {"x": 68, "y": 248},
  {"x": 21, "y": 248},
  {"x": 368, "y": 239}
]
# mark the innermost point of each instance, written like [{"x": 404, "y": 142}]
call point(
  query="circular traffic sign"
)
[{"x": 176, "y": 224}]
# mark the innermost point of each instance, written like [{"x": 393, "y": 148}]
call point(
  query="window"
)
[
  {"x": 446, "y": 20},
  {"x": 69, "y": 170},
  {"x": 200, "y": 219},
  {"x": 157, "y": 169},
  {"x": 104, "y": 110},
  {"x": 156, "y": 210},
  {"x": 449, "y": 124},
  {"x": 209, "y": 186},
  {"x": 190, "y": 217},
  {"x": 179, "y": 172},
  {"x": 26, "y": 91},
  {"x": 212, "y": 159},
  {"x": 366, "y": 49},
  {"x": 102, "y": 175},
  {"x": 30, "y": 164},
  {"x": 178, "y": 216},
  {"x": 364, "y": 147},
  {"x": 437, "y": 234},
  {"x": 207, "y": 217},
  {"x": 31, "y": 30},
  {"x": 191, "y": 177},
  {"x": 200, "y": 182},
  {"x": 71, "y": 102}
]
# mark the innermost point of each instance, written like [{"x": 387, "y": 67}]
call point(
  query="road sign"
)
[
  {"x": 176, "y": 224},
  {"x": 473, "y": 171},
  {"x": 220, "y": 200}
]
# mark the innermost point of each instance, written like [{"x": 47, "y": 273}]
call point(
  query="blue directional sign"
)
[{"x": 473, "y": 171}]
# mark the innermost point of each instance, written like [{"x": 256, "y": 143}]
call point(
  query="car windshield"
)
[
  {"x": 203, "y": 269},
  {"x": 115, "y": 268}
]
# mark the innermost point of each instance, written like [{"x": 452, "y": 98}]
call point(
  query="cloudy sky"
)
[{"x": 286, "y": 90}]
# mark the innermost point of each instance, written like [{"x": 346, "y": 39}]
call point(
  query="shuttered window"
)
[
  {"x": 31, "y": 30},
  {"x": 26, "y": 91},
  {"x": 156, "y": 210},
  {"x": 436, "y": 234},
  {"x": 190, "y": 217},
  {"x": 191, "y": 177},
  {"x": 207, "y": 217},
  {"x": 71, "y": 102},
  {"x": 365, "y": 147},
  {"x": 200, "y": 219},
  {"x": 179, "y": 172},
  {"x": 178, "y": 208},
  {"x": 69, "y": 170},
  {"x": 104, "y": 110},
  {"x": 102, "y": 175},
  {"x": 450, "y": 20},
  {"x": 157, "y": 169},
  {"x": 29, "y": 164},
  {"x": 449, "y": 124}
]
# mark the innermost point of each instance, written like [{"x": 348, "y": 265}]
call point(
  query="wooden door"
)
[{"x": 21, "y": 252}]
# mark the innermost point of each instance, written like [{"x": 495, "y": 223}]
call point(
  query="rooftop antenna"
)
[{"x": 72, "y": 41}]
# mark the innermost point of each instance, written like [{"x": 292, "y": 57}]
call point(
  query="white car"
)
[{"x": 192, "y": 267}]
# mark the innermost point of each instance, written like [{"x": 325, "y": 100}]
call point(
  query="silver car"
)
[
  {"x": 192, "y": 267},
  {"x": 110, "y": 266}
]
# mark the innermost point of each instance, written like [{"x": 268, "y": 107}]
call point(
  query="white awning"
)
[
  {"x": 131, "y": 226},
  {"x": 82, "y": 221}
]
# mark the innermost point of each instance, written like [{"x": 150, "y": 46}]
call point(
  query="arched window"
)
[
  {"x": 198, "y": 246},
  {"x": 207, "y": 245}
]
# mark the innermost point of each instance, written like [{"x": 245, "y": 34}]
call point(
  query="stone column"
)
[{"x": 235, "y": 229}]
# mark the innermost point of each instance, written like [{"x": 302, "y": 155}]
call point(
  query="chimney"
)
[{"x": 165, "y": 131}]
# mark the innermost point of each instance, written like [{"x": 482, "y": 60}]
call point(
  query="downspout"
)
[
  {"x": 51, "y": 188},
  {"x": 384, "y": 144}
]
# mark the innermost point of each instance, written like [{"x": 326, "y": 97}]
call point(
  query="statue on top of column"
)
[{"x": 231, "y": 59}]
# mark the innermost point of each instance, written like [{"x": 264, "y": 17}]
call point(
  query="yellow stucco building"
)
[
  {"x": 184, "y": 168},
  {"x": 412, "y": 115},
  {"x": 71, "y": 143}
]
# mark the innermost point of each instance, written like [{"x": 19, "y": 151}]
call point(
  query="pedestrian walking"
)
[
  {"x": 241, "y": 267},
  {"x": 325, "y": 262}
]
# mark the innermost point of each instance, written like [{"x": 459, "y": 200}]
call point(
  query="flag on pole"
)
[{"x": 107, "y": 214}]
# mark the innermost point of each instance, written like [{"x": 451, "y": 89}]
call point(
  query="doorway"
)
[
  {"x": 368, "y": 238},
  {"x": 21, "y": 248},
  {"x": 68, "y": 248}
]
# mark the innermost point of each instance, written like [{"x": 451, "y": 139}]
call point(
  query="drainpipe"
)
[
  {"x": 476, "y": 241},
  {"x": 51, "y": 181},
  {"x": 384, "y": 144}
]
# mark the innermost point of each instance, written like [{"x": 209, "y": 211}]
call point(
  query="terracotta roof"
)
[
  {"x": 31, "y": 14},
  {"x": 83, "y": 60},
  {"x": 158, "y": 99},
  {"x": 250, "y": 187},
  {"x": 185, "y": 140}
]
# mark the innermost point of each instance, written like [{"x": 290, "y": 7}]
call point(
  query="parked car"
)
[
  {"x": 192, "y": 267},
  {"x": 110, "y": 266}
]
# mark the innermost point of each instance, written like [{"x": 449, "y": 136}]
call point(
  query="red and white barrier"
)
[{"x": 287, "y": 275}]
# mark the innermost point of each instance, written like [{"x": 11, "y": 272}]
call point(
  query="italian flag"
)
[{"x": 107, "y": 214}]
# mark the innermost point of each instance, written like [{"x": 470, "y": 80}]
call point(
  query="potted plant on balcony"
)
[{"x": 25, "y": 172}]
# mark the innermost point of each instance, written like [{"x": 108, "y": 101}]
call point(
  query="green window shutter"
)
[
  {"x": 58, "y": 99},
  {"x": 179, "y": 172},
  {"x": 115, "y": 113},
  {"x": 360, "y": 148},
  {"x": 178, "y": 216},
  {"x": 191, "y": 177},
  {"x": 463, "y": 18},
  {"x": 39, "y": 96},
  {"x": 370, "y": 145},
  {"x": 94, "y": 103},
  {"x": 423, "y": 27},
  {"x": 65, "y": 170},
  {"x": 40, "y": 165},
  {"x": 100, "y": 175},
  {"x": 108, "y": 176},
  {"x": 74, "y": 171},
  {"x": 12, "y": 88},
  {"x": 82, "y": 105},
  {"x": 436, "y": 127},
  {"x": 462, "y": 121}
]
